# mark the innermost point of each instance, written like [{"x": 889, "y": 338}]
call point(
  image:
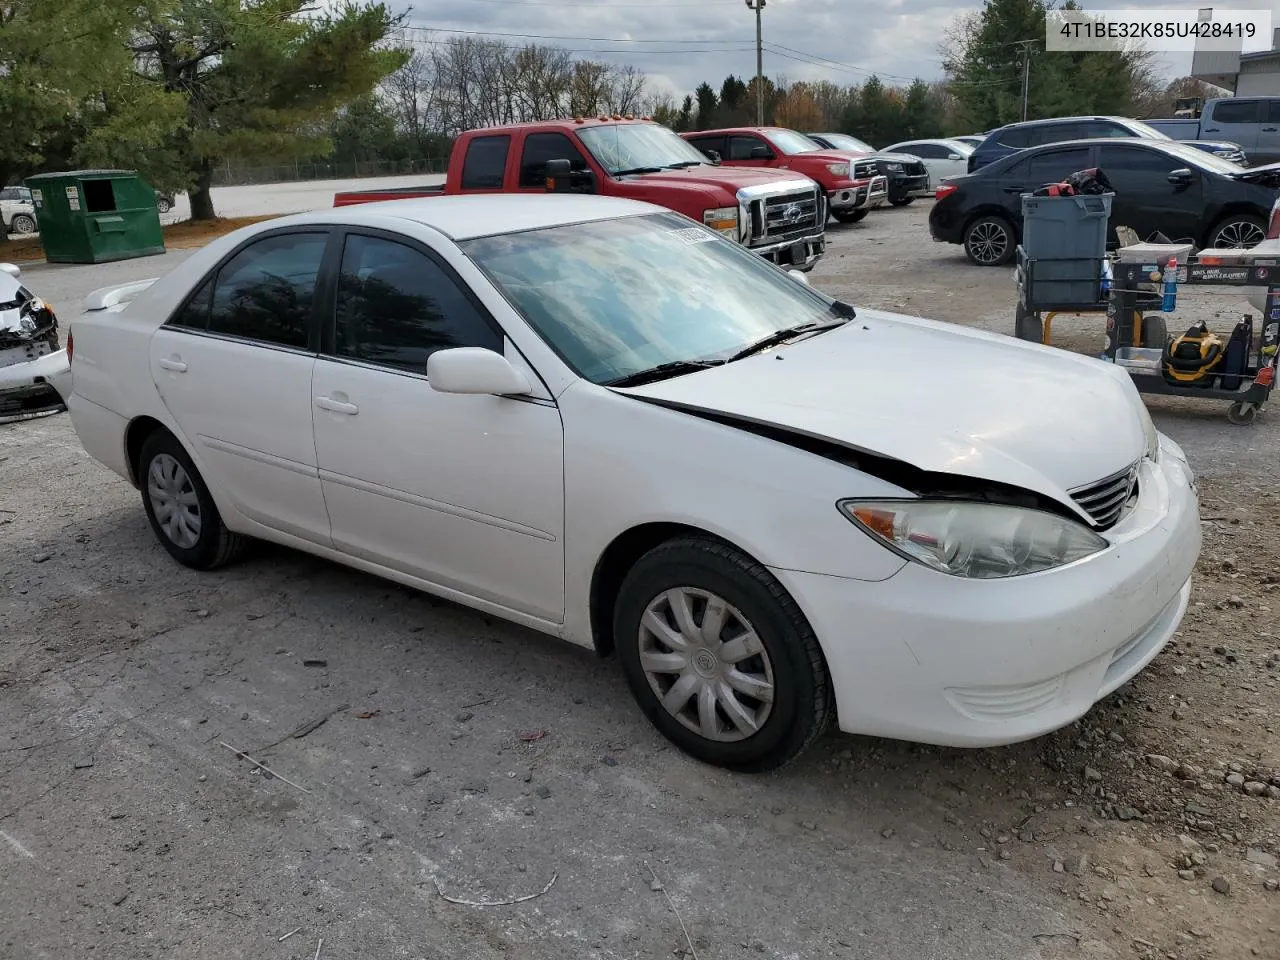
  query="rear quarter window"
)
[{"x": 485, "y": 163}]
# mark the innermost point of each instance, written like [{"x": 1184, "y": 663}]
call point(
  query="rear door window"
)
[
  {"x": 1237, "y": 111},
  {"x": 266, "y": 291},
  {"x": 1018, "y": 137},
  {"x": 1053, "y": 165},
  {"x": 485, "y": 163}
]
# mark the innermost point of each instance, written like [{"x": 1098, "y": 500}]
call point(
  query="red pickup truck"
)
[
  {"x": 781, "y": 216},
  {"x": 851, "y": 183}
]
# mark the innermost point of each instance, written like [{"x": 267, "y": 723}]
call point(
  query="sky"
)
[{"x": 844, "y": 41}]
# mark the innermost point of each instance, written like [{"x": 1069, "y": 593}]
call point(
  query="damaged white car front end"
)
[{"x": 32, "y": 361}]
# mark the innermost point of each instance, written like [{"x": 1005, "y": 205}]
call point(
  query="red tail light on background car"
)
[{"x": 1273, "y": 229}]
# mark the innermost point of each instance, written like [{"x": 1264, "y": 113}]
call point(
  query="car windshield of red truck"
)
[{"x": 638, "y": 147}]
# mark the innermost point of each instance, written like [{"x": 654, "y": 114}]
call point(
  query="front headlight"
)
[
  {"x": 839, "y": 169},
  {"x": 980, "y": 541},
  {"x": 723, "y": 220},
  {"x": 893, "y": 167}
]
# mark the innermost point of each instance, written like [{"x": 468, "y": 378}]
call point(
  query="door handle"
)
[
  {"x": 337, "y": 406},
  {"x": 1212, "y": 130},
  {"x": 173, "y": 364},
  {"x": 1268, "y": 129}
]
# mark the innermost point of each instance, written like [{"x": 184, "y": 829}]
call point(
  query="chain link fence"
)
[{"x": 230, "y": 175}]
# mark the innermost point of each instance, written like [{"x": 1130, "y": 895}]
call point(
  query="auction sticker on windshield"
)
[{"x": 693, "y": 235}]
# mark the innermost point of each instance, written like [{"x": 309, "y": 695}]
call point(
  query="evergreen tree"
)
[{"x": 707, "y": 103}]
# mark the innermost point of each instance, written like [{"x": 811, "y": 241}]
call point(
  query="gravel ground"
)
[{"x": 467, "y": 756}]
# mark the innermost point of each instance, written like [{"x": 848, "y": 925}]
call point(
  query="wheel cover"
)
[
  {"x": 706, "y": 664},
  {"x": 1239, "y": 234},
  {"x": 989, "y": 242},
  {"x": 23, "y": 224},
  {"x": 174, "y": 501}
]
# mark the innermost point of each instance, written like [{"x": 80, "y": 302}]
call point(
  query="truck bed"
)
[{"x": 349, "y": 197}]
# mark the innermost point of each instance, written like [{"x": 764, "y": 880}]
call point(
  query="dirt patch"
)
[{"x": 177, "y": 236}]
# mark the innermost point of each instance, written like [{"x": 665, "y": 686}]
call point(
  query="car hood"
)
[
  {"x": 1213, "y": 144},
  {"x": 941, "y": 398},
  {"x": 892, "y": 157},
  {"x": 729, "y": 178},
  {"x": 1267, "y": 176},
  {"x": 827, "y": 156}
]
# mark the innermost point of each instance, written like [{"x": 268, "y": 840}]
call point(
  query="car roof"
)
[
  {"x": 720, "y": 130},
  {"x": 1040, "y": 123},
  {"x": 535, "y": 126},
  {"x": 1164, "y": 146},
  {"x": 482, "y": 215}
]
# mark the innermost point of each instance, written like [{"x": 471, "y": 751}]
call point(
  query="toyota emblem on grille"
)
[{"x": 793, "y": 213}]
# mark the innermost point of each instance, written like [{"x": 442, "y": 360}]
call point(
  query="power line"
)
[
  {"x": 601, "y": 5},
  {"x": 548, "y": 36},
  {"x": 418, "y": 41}
]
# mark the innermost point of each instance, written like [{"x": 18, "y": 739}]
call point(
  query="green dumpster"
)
[{"x": 92, "y": 216}]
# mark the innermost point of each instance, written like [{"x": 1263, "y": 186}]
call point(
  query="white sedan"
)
[
  {"x": 942, "y": 158},
  {"x": 599, "y": 419}
]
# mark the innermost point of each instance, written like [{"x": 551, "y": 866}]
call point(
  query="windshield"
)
[
  {"x": 1146, "y": 131},
  {"x": 958, "y": 146},
  {"x": 618, "y": 297},
  {"x": 1195, "y": 157},
  {"x": 842, "y": 141},
  {"x": 638, "y": 146},
  {"x": 790, "y": 142}
]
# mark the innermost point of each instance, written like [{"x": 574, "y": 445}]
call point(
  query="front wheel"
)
[
  {"x": 901, "y": 201},
  {"x": 1242, "y": 414},
  {"x": 163, "y": 205},
  {"x": 1239, "y": 231},
  {"x": 849, "y": 216},
  {"x": 24, "y": 224},
  {"x": 180, "y": 508},
  {"x": 719, "y": 656},
  {"x": 988, "y": 241}
]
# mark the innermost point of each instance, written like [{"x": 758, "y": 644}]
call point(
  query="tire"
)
[
  {"x": 989, "y": 242},
  {"x": 1242, "y": 414},
  {"x": 850, "y": 216},
  {"x": 785, "y": 661},
  {"x": 1155, "y": 332},
  {"x": 163, "y": 205},
  {"x": 23, "y": 223},
  {"x": 1239, "y": 230},
  {"x": 901, "y": 201},
  {"x": 173, "y": 488}
]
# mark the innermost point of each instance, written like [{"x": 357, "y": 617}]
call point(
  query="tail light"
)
[
  {"x": 1273, "y": 231},
  {"x": 71, "y": 346},
  {"x": 944, "y": 190}
]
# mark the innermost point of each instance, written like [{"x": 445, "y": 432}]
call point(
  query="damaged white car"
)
[
  {"x": 604, "y": 421},
  {"x": 32, "y": 361}
]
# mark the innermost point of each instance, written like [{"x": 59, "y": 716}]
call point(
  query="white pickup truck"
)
[{"x": 1252, "y": 122}]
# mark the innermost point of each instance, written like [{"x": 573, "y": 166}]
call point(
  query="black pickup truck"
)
[{"x": 907, "y": 175}]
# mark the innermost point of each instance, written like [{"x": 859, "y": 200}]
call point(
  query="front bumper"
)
[
  {"x": 859, "y": 194},
  {"x": 34, "y": 387},
  {"x": 796, "y": 254},
  {"x": 927, "y": 657},
  {"x": 909, "y": 186}
]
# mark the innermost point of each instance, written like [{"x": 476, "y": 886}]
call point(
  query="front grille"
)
[
  {"x": 914, "y": 169},
  {"x": 1105, "y": 501},
  {"x": 864, "y": 169},
  {"x": 788, "y": 216}
]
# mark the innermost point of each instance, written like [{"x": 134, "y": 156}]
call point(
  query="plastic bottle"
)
[
  {"x": 1107, "y": 277},
  {"x": 1170, "y": 286}
]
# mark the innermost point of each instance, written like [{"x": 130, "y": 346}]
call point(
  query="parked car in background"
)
[
  {"x": 1160, "y": 185},
  {"x": 780, "y": 215},
  {"x": 1034, "y": 133},
  {"x": 32, "y": 361},
  {"x": 164, "y": 201},
  {"x": 1252, "y": 122},
  {"x": 908, "y": 177},
  {"x": 972, "y": 139},
  {"x": 589, "y": 417},
  {"x": 852, "y": 184},
  {"x": 18, "y": 210},
  {"x": 942, "y": 158}
]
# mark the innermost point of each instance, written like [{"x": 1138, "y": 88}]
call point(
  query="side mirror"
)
[
  {"x": 954, "y": 156},
  {"x": 713, "y": 156},
  {"x": 761, "y": 153},
  {"x": 1182, "y": 177},
  {"x": 562, "y": 178},
  {"x": 474, "y": 370},
  {"x": 11, "y": 269},
  {"x": 799, "y": 276}
]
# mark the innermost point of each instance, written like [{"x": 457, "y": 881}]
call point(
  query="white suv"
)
[{"x": 18, "y": 210}]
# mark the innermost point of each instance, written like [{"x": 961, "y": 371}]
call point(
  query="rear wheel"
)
[
  {"x": 182, "y": 513},
  {"x": 719, "y": 656},
  {"x": 24, "y": 224},
  {"x": 988, "y": 241},
  {"x": 163, "y": 205},
  {"x": 849, "y": 216},
  {"x": 901, "y": 201}
]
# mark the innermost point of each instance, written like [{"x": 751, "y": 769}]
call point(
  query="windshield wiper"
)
[
  {"x": 685, "y": 163},
  {"x": 628, "y": 172},
  {"x": 662, "y": 371},
  {"x": 782, "y": 336}
]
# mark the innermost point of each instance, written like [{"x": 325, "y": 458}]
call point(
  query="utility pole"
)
[
  {"x": 1026, "y": 74},
  {"x": 758, "y": 7}
]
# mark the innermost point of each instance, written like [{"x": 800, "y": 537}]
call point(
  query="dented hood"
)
[{"x": 939, "y": 397}]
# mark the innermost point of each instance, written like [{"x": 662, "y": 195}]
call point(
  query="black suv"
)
[{"x": 1160, "y": 185}]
